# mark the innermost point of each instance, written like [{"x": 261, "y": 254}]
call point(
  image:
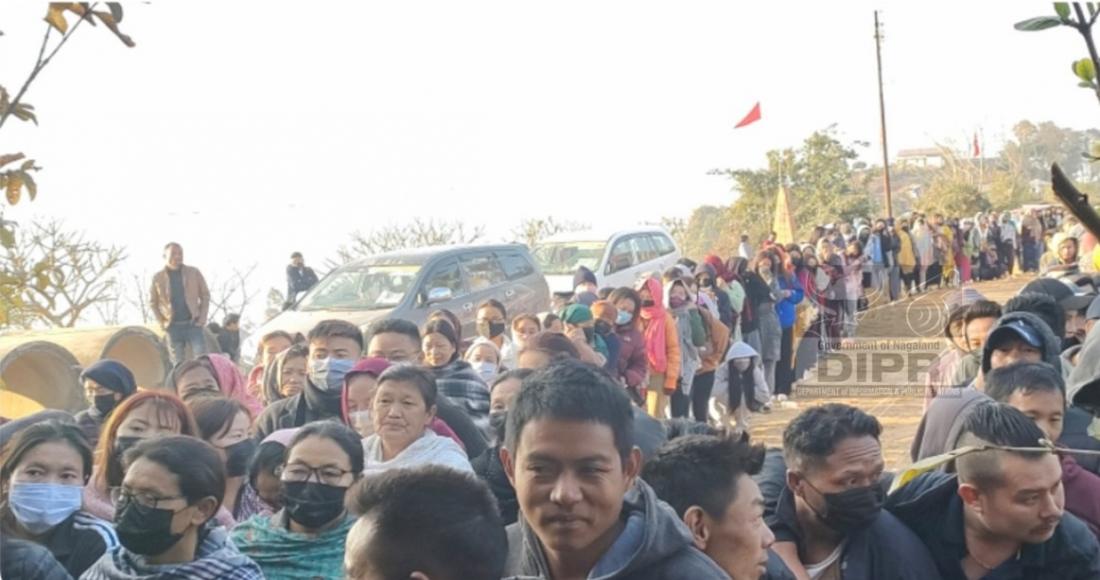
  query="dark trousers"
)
[
  {"x": 784, "y": 370},
  {"x": 679, "y": 403},
  {"x": 701, "y": 387}
]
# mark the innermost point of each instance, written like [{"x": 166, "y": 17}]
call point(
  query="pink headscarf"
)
[
  {"x": 654, "y": 319},
  {"x": 232, "y": 383}
]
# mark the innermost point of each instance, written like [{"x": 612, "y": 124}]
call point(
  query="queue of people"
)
[{"x": 581, "y": 444}]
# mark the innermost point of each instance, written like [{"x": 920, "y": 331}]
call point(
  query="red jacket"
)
[{"x": 632, "y": 360}]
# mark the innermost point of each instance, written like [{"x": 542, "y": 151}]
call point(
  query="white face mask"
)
[
  {"x": 361, "y": 422},
  {"x": 742, "y": 364},
  {"x": 486, "y": 370}
]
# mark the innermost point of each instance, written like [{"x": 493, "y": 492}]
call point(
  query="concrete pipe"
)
[
  {"x": 137, "y": 347},
  {"x": 38, "y": 374}
]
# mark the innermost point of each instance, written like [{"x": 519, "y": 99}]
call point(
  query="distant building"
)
[{"x": 926, "y": 157}]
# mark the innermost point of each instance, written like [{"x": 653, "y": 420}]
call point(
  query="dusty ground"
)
[{"x": 903, "y": 324}]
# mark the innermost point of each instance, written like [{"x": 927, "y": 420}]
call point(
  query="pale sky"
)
[{"x": 245, "y": 131}]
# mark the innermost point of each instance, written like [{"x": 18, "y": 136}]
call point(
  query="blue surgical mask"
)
[
  {"x": 486, "y": 370},
  {"x": 623, "y": 318},
  {"x": 328, "y": 373},
  {"x": 41, "y": 506}
]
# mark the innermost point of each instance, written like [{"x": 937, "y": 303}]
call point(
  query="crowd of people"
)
[{"x": 582, "y": 443}]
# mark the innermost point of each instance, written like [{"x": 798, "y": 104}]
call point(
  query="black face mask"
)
[
  {"x": 498, "y": 420},
  {"x": 123, "y": 443},
  {"x": 144, "y": 530},
  {"x": 1070, "y": 342},
  {"x": 850, "y": 510},
  {"x": 237, "y": 457},
  {"x": 603, "y": 327},
  {"x": 313, "y": 504},
  {"x": 490, "y": 329},
  {"x": 104, "y": 404},
  {"x": 648, "y": 303}
]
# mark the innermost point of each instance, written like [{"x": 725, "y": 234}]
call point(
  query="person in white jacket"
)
[{"x": 739, "y": 386}]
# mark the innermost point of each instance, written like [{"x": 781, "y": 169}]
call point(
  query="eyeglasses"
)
[
  {"x": 122, "y": 496},
  {"x": 298, "y": 473}
]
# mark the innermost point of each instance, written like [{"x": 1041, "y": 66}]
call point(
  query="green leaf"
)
[
  {"x": 1038, "y": 23},
  {"x": 25, "y": 112},
  {"x": 28, "y": 182},
  {"x": 1062, "y": 8},
  {"x": 1084, "y": 70}
]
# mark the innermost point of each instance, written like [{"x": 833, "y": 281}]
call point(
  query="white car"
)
[{"x": 617, "y": 259}]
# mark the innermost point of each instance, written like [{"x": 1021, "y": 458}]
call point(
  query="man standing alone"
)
[
  {"x": 180, "y": 300},
  {"x": 299, "y": 278}
]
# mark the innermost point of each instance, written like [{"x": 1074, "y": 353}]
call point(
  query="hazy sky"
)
[{"x": 245, "y": 131}]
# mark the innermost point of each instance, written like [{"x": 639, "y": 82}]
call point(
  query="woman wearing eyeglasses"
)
[
  {"x": 164, "y": 516},
  {"x": 306, "y": 538}
]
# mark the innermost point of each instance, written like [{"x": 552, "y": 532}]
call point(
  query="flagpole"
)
[{"x": 882, "y": 123}]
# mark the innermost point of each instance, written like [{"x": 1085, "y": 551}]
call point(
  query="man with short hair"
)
[
  {"x": 977, "y": 322},
  {"x": 1039, "y": 392},
  {"x": 180, "y": 300},
  {"x": 584, "y": 513},
  {"x": 1002, "y": 515},
  {"x": 828, "y": 519},
  {"x": 708, "y": 480},
  {"x": 398, "y": 341},
  {"x": 299, "y": 278},
  {"x": 229, "y": 336},
  {"x": 1017, "y": 337},
  {"x": 428, "y": 523},
  {"x": 334, "y": 347}
]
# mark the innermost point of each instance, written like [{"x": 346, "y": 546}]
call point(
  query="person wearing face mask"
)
[
  {"x": 42, "y": 476},
  {"x": 606, "y": 315},
  {"x": 692, "y": 334},
  {"x": 106, "y": 384},
  {"x": 145, "y": 415},
  {"x": 484, "y": 357},
  {"x": 487, "y": 466},
  {"x": 765, "y": 292},
  {"x": 739, "y": 386},
  {"x": 580, "y": 327},
  {"x": 456, "y": 379},
  {"x": 212, "y": 375},
  {"x": 285, "y": 376},
  {"x": 492, "y": 324},
  {"x": 828, "y": 519},
  {"x": 306, "y": 539},
  {"x": 403, "y": 409},
  {"x": 164, "y": 517},
  {"x": 334, "y": 347},
  {"x": 633, "y": 365},
  {"x": 662, "y": 346},
  {"x": 524, "y": 326},
  {"x": 225, "y": 424}
]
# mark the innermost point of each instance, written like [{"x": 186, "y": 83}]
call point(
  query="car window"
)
[
  {"x": 663, "y": 244},
  {"x": 482, "y": 271},
  {"x": 643, "y": 249},
  {"x": 362, "y": 287},
  {"x": 445, "y": 275},
  {"x": 515, "y": 265},
  {"x": 622, "y": 256}
]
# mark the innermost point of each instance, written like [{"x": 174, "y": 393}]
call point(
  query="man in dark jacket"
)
[
  {"x": 299, "y": 278},
  {"x": 1002, "y": 515},
  {"x": 828, "y": 520},
  {"x": 708, "y": 481},
  {"x": 1017, "y": 337},
  {"x": 584, "y": 513},
  {"x": 229, "y": 337},
  {"x": 334, "y": 347}
]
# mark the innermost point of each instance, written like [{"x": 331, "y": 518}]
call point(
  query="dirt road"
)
[{"x": 904, "y": 324}]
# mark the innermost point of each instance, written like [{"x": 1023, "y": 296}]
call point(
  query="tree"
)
[
  {"x": 1034, "y": 147},
  {"x": 60, "y": 275},
  {"x": 275, "y": 301},
  {"x": 231, "y": 294},
  {"x": 705, "y": 232},
  {"x": 823, "y": 180},
  {"x": 416, "y": 234},
  {"x": 533, "y": 231},
  {"x": 1073, "y": 16}
]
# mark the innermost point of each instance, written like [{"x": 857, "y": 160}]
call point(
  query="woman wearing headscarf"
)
[
  {"x": 662, "y": 347},
  {"x": 692, "y": 336},
  {"x": 712, "y": 284},
  {"x": 106, "y": 384},
  {"x": 229, "y": 381},
  {"x": 285, "y": 376}
]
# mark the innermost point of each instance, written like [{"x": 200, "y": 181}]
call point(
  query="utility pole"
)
[{"x": 882, "y": 122}]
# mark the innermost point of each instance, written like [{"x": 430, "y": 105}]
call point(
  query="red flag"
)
[
  {"x": 977, "y": 149},
  {"x": 752, "y": 117}
]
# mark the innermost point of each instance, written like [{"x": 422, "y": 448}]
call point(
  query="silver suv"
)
[{"x": 411, "y": 284}]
